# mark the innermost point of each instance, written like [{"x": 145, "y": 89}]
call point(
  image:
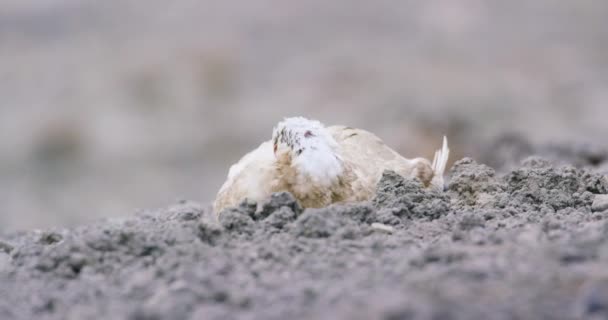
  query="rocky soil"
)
[{"x": 529, "y": 242}]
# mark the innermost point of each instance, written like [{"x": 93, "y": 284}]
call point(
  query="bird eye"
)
[{"x": 308, "y": 134}]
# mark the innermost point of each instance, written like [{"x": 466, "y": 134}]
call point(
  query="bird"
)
[{"x": 321, "y": 166}]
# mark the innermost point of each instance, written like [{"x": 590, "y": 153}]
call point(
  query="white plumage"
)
[{"x": 322, "y": 165}]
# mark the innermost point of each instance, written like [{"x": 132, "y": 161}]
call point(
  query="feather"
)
[{"x": 439, "y": 164}]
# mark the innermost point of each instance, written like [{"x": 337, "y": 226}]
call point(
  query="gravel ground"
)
[{"x": 524, "y": 243}]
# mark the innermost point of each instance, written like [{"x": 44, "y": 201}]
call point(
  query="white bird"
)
[{"x": 322, "y": 165}]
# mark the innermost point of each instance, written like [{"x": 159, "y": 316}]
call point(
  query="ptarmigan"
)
[{"x": 322, "y": 165}]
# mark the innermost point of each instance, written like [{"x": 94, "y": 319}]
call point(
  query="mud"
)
[{"x": 528, "y": 243}]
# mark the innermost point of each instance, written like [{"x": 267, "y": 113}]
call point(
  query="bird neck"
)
[{"x": 312, "y": 176}]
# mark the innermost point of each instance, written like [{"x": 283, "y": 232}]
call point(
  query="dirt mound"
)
[
  {"x": 530, "y": 243},
  {"x": 537, "y": 186}
]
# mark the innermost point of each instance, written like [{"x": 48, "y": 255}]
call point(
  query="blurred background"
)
[{"x": 110, "y": 106}]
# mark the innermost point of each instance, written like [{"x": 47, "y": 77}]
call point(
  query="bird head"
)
[{"x": 306, "y": 146}]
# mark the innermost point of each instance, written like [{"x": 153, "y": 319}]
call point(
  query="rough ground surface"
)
[{"x": 531, "y": 243}]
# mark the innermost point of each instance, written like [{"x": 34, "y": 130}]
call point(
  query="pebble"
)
[
  {"x": 382, "y": 228},
  {"x": 600, "y": 203}
]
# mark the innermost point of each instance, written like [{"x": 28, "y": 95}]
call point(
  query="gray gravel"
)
[{"x": 527, "y": 244}]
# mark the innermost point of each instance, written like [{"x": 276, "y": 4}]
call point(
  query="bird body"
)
[{"x": 322, "y": 165}]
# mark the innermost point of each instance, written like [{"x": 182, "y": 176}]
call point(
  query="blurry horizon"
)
[{"x": 113, "y": 106}]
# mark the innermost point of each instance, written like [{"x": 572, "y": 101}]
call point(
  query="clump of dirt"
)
[
  {"x": 474, "y": 185},
  {"x": 528, "y": 243},
  {"x": 536, "y": 186},
  {"x": 398, "y": 198}
]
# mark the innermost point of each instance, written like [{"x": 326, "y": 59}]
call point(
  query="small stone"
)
[
  {"x": 600, "y": 203},
  {"x": 382, "y": 228}
]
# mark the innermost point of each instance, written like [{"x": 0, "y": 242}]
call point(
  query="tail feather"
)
[{"x": 440, "y": 162}]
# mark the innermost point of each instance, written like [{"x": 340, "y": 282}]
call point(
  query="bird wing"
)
[
  {"x": 251, "y": 177},
  {"x": 362, "y": 141},
  {"x": 368, "y": 157}
]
